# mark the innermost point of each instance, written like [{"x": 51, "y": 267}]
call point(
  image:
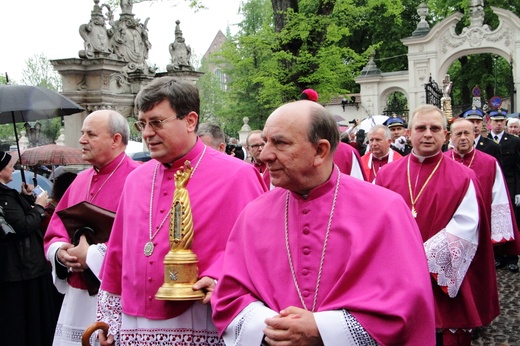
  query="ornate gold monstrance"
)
[{"x": 180, "y": 263}]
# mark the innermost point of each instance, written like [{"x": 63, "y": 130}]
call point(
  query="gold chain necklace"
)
[
  {"x": 110, "y": 176},
  {"x": 149, "y": 246},
  {"x": 412, "y": 200},
  {"x": 470, "y": 162},
  {"x": 324, "y": 244}
]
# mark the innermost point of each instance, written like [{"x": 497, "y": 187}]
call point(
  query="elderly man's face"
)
[
  {"x": 462, "y": 137},
  {"x": 379, "y": 144},
  {"x": 427, "y": 134},
  {"x": 513, "y": 129},
  {"x": 96, "y": 141},
  {"x": 288, "y": 153}
]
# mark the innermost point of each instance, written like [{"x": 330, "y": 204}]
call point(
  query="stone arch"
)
[
  {"x": 432, "y": 52},
  {"x": 386, "y": 93}
]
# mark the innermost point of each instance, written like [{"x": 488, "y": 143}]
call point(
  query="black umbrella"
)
[{"x": 24, "y": 103}]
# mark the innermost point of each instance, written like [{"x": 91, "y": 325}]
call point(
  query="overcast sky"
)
[{"x": 30, "y": 27}]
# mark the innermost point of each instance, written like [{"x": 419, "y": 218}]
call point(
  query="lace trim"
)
[
  {"x": 109, "y": 310},
  {"x": 449, "y": 257},
  {"x": 356, "y": 334},
  {"x": 160, "y": 337},
  {"x": 67, "y": 333},
  {"x": 501, "y": 224},
  {"x": 243, "y": 321},
  {"x": 102, "y": 249}
]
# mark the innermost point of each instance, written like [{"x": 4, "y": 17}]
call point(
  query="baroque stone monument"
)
[
  {"x": 180, "y": 52},
  {"x": 112, "y": 66}
]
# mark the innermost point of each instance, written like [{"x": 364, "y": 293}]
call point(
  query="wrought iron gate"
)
[{"x": 433, "y": 92}]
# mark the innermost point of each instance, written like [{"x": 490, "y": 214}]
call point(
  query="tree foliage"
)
[
  {"x": 38, "y": 72},
  {"x": 285, "y": 46}
]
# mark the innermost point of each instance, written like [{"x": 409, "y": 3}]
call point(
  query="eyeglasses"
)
[
  {"x": 154, "y": 124},
  {"x": 256, "y": 146}
]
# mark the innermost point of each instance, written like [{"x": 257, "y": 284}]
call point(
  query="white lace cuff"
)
[
  {"x": 109, "y": 311},
  {"x": 501, "y": 224},
  {"x": 449, "y": 258}
]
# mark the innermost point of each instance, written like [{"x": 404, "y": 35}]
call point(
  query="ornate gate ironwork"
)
[{"x": 433, "y": 92}]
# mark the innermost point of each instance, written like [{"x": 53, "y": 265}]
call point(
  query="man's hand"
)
[
  {"x": 517, "y": 200},
  {"x": 80, "y": 252},
  {"x": 103, "y": 340},
  {"x": 68, "y": 260},
  {"x": 206, "y": 284},
  {"x": 294, "y": 326}
]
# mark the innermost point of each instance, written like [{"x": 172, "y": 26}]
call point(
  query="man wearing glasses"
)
[
  {"x": 219, "y": 188},
  {"x": 255, "y": 144}
]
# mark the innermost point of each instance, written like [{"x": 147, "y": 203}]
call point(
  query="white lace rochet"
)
[{"x": 449, "y": 257}]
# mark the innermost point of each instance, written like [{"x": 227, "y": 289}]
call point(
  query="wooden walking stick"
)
[{"x": 85, "y": 338}]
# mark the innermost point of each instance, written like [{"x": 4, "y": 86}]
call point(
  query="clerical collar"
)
[
  {"x": 462, "y": 155},
  {"x": 110, "y": 167},
  {"x": 382, "y": 157},
  {"x": 422, "y": 158},
  {"x": 189, "y": 156},
  {"x": 321, "y": 189}
]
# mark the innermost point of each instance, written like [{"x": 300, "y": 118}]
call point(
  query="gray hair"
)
[
  {"x": 252, "y": 133},
  {"x": 117, "y": 123},
  {"x": 386, "y": 130},
  {"x": 513, "y": 121},
  {"x": 217, "y": 135},
  {"x": 322, "y": 126}
]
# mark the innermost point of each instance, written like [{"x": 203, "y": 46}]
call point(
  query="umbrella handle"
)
[
  {"x": 85, "y": 338},
  {"x": 18, "y": 148}
]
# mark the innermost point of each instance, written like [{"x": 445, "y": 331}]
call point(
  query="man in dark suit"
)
[
  {"x": 397, "y": 127},
  {"x": 510, "y": 152},
  {"x": 476, "y": 116}
]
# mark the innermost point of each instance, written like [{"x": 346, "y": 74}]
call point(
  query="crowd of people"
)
[{"x": 301, "y": 238}]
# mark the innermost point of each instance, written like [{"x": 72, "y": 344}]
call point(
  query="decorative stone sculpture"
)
[
  {"x": 423, "y": 28},
  {"x": 95, "y": 34},
  {"x": 446, "y": 98},
  {"x": 180, "y": 53},
  {"x": 476, "y": 13}
]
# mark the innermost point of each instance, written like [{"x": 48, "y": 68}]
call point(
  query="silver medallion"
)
[{"x": 148, "y": 249}]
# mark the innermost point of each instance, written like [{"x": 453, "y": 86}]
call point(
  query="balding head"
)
[
  {"x": 104, "y": 136},
  {"x": 300, "y": 138},
  {"x": 462, "y": 136}
]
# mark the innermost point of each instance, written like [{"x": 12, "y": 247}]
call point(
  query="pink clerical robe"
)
[
  {"x": 348, "y": 160},
  {"x": 219, "y": 189},
  {"x": 374, "y": 265},
  {"x": 500, "y": 210},
  {"x": 442, "y": 211},
  {"x": 372, "y": 165},
  {"x": 105, "y": 187}
]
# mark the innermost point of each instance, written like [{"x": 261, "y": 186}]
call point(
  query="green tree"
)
[{"x": 38, "y": 72}]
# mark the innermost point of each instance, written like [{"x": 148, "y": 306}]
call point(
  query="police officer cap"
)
[
  {"x": 394, "y": 121},
  {"x": 498, "y": 114},
  {"x": 473, "y": 113}
]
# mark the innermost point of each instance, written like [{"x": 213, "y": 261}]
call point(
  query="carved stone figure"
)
[
  {"x": 126, "y": 6},
  {"x": 130, "y": 39},
  {"x": 180, "y": 52},
  {"x": 476, "y": 13},
  {"x": 95, "y": 34}
]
